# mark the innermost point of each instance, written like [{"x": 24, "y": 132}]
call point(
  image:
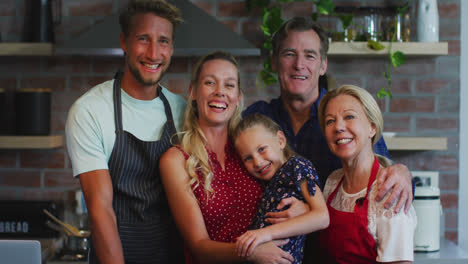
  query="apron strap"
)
[
  {"x": 117, "y": 102},
  {"x": 375, "y": 169},
  {"x": 170, "y": 121}
]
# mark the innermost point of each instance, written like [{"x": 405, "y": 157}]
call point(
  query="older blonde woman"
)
[
  {"x": 212, "y": 197},
  {"x": 361, "y": 230}
]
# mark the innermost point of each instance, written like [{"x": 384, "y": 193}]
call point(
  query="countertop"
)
[{"x": 449, "y": 253}]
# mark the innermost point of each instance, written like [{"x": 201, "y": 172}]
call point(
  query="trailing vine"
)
[{"x": 271, "y": 13}]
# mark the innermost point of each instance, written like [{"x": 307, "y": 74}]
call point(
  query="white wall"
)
[{"x": 463, "y": 162}]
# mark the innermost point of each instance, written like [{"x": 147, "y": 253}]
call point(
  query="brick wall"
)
[{"x": 426, "y": 91}]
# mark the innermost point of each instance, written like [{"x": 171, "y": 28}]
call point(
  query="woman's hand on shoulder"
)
[{"x": 270, "y": 253}]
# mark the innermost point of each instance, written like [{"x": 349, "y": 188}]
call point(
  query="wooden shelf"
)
[
  {"x": 336, "y": 49},
  {"x": 416, "y": 143},
  {"x": 31, "y": 142},
  {"x": 409, "y": 48},
  {"x": 26, "y": 49}
]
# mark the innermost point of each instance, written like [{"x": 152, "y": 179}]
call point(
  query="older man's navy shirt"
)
[{"x": 309, "y": 141}]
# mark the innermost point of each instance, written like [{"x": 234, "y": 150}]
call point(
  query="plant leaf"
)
[
  {"x": 259, "y": 82},
  {"x": 402, "y": 9},
  {"x": 268, "y": 77},
  {"x": 383, "y": 92},
  {"x": 314, "y": 16},
  {"x": 267, "y": 64},
  {"x": 345, "y": 20},
  {"x": 375, "y": 45},
  {"x": 268, "y": 45},
  {"x": 272, "y": 21},
  {"x": 325, "y": 7},
  {"x": 398, "y": 58}
]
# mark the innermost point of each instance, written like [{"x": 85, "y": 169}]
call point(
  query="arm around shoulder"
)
[{"x": 396, "y": 180}]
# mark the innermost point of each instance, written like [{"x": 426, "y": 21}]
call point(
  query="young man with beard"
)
[
  {"x": 299, "y": 58},
  {"x": 116, "y": 133}
]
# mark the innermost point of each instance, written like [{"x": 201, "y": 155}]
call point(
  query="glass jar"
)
[
  {"x": 372, "y": 19},
  {"x": 348, "y": 33},
  {"x": 398, "y": 24}
]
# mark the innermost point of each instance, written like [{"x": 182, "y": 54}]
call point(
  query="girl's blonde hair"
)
[
  {"x": 264, "y": 121},
  {"x": 193, "y": 139},
  {"x": 370, "y": 106}
]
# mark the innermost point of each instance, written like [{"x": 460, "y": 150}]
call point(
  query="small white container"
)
[
  {"x": 429, "y": 210},
  {"x": 428, "y": 21}
]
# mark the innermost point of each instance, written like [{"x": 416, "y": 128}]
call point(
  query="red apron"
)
[{"x": 347, "y": 239}]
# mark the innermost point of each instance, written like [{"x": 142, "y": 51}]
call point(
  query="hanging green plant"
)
[{"x": 395, "y": 59}]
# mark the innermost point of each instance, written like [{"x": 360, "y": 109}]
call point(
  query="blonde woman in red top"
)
[{"x": 212, "y": 197}]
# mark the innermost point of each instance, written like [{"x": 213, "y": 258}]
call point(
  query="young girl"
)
[{"x": 262, "y": 147}]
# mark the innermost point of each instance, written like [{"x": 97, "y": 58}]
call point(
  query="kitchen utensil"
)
[
  {"x": 3, "y": 112},
  {"x": 429, "y": 211},
  {"x": 32, "y": 107},
  {"x": 74, "y": 248},
  {"x": 58, "y": 228},
  {"x": 73, "y": 230},
  {"x": 428, "y": 21},
  {"x": 40, "y": 18}
]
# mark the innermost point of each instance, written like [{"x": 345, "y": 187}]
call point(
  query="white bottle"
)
[{"x": 428, "y": 21}]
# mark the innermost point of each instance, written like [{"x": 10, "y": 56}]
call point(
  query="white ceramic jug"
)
[{"x": 428, "y": 21}]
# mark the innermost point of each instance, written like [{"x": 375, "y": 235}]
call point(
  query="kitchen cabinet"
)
[
  {"x": 26, "y": 49},
  {"x": 31, "y": 142}
]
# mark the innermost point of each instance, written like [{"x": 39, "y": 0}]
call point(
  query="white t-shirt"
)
[
  {"x": 392, "y": 232},
  {"x": 90, "y": 126}
]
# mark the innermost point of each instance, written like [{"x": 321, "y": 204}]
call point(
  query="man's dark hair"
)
[
  {"x": 158, "y": 7},
  {"x": 300, "y": 24}
]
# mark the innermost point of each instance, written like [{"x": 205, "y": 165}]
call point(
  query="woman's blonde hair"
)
[
  {"x": 193, "y": 139},
  {"x": 370, "y": 106},
  {"x": 264, "y": 121}
]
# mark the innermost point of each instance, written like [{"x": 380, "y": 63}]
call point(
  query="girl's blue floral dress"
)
[{"x": 287, "y": 183}]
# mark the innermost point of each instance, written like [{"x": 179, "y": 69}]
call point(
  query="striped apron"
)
[{"x": 145, "y": 224}]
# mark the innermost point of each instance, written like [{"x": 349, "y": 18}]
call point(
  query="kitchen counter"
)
[
  {"x": 449, "y": 253},
  {"x": 66, "y": 262}
]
